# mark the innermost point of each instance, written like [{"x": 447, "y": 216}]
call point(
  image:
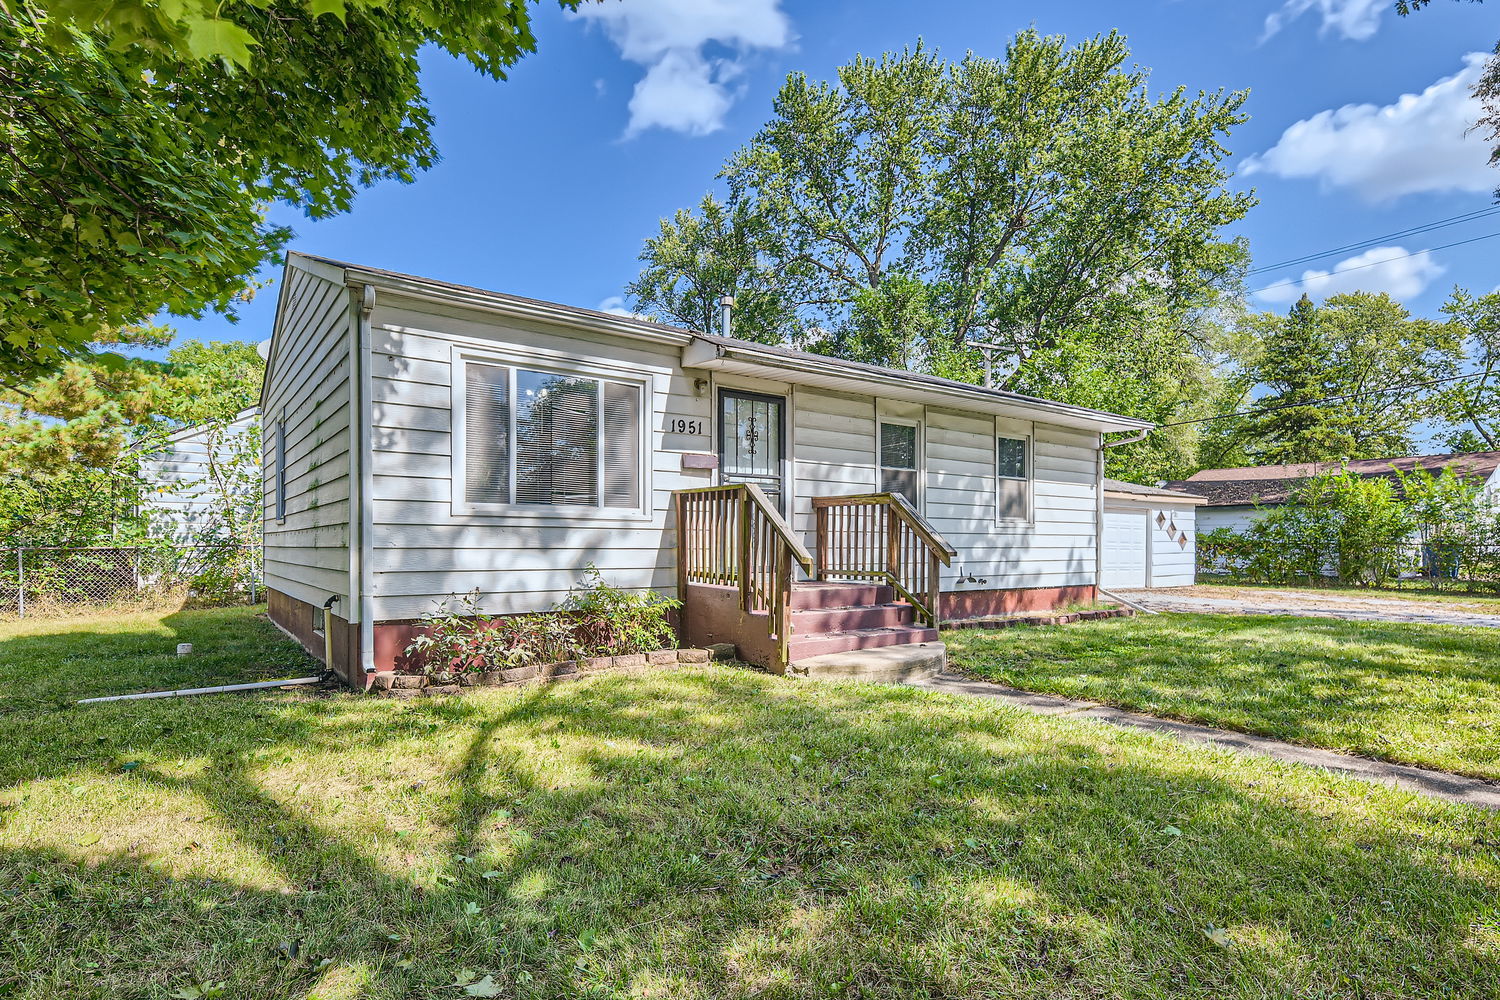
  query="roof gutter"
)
[{"x": 514, "y": 307}]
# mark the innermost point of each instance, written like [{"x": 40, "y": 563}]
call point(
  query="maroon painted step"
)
[
  {"x": 844, "y": 619},
  {"x": 802, "y": 646},
  {"x": 813, "y": 596}
]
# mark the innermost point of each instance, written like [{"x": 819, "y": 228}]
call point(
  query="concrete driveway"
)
[{"x": 1312, "y": 604}]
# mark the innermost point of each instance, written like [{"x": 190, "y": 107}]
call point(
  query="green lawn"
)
[
  {"x": 56, "y": 662},
  {"x": 704, "y": 833},
  {"x": 1417, "y": 694}
]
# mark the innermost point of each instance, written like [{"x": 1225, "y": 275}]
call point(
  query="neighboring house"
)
[
  {"x": 180, "y": 497},
  {"x": 424, "y": 439},
  {"x": 1150, "y": 537},
  {"x": 1234, "y": 498}
]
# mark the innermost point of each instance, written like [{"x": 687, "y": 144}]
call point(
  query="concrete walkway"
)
[
  {"x": 1437, "y": 784},
  {"x": 1303, "y": 604}
]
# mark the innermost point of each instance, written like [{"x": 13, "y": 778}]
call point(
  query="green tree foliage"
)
[
  {"x": 1361, "y": 346},
  {"x": 1029, "y": 195},
  {"x": 71, "y": 442},
  {"x": 1472, "y": 406},
  {"x": 1046, "y": 200},
  {"x": 143, "y": 141}
]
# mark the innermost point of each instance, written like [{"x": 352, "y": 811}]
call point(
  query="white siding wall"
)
[
  {"x": 1172, "y": 558},
  {"x": 1233, "y": 518},
  {"x": 178, "y": 492},
  {"x": 424, "y": 551},
  {"x": 307, "y": 387},
  {"x": 834, "y": 446}
]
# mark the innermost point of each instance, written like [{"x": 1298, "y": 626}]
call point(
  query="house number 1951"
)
[{"x": 681, "y": 426}]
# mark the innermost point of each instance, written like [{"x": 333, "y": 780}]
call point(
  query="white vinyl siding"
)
[
  {"x": 429, "y": 543},
  {"x": 1173, "y": 546},
  {"x": 181, "y": 497},
  {"x": 306, "y": 460}
]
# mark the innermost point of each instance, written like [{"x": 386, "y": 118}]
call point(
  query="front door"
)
[{"x": 752, "y": 436}]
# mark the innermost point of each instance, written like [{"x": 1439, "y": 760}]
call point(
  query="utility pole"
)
[{"x": 991, "y": 351}]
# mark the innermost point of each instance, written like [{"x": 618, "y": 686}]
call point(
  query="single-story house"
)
[
  {"x": 181, "y": 492},
  {"x": 425, "y": 439},
  {"x": 1234, "y": 498},
  {"x": 1149, "y": 536}
]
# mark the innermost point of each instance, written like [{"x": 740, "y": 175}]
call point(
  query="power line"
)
[
  {"x": 1384, "y": 260},
  {"x": 1365, "y": 244},
  {"x": 1327, "y": 399}
]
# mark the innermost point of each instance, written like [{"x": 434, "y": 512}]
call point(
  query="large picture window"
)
[
  {"x": 898, "y": 460},
  {"x": 535, "y": 438},
  {"x": 1012, "y": 479}
]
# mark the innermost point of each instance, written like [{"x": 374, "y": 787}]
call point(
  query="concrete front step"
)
[
  {"x": 811, "y": 596},
  {"x": 838, "y": 619},
  {"x": 886, "y": 664},
  {"x": 817, "y": 644}
]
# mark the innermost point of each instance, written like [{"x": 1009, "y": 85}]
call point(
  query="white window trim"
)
[
  {"x": 561, "y": 513},
  {"x": 920, "y": 447},
  {"x": 1029, "y": 437}
]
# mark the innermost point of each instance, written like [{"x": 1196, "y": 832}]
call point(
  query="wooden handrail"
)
[
  {"x": 732, "y": 536},
  {"x": 880, "y": 536}
]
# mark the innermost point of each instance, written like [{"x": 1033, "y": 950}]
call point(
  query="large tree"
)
[
  {"x": 914, "y": 204},
  {"x": 141, "y": 142},
  {"x": 1471, "y": 406},
  {"x": 1344, "y": 380}
]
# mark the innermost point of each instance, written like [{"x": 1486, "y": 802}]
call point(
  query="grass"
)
[
  {"x": 1417, "y": 694},
  {"x": 58, "y": 661},
  {"x": 1484, "y": 603},
  {"x": 701, "y": 834}
]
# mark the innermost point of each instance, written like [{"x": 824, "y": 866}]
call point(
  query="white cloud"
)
[
  {"x": 1380, "y": 269},
  {"x": 684, "y": 89},
  {"x": 1354, "y": 19},
  {"x": 615, "y": 305},
  {"x": 1421, "y": 142}
]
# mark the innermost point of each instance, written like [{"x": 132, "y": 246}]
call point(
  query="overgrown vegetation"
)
[
  {"x": 597, "y": 619},
  {"x": 1417, "y": 694},
  {"x": 1349, "y": 529},
  {"x": 702, "y": 834}
]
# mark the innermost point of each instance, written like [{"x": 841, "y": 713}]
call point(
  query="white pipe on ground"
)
[{"x": 182, "y": 692}]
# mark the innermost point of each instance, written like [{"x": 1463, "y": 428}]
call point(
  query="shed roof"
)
[
  {"x": 1121, "y": 490},
  {"x": 1273, "y": 484}
]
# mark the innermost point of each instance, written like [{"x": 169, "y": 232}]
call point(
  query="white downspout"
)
[{"x": 361, "y": 387}]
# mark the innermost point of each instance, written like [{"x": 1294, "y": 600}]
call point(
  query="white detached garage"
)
[{"x": 1148, "y": 538}]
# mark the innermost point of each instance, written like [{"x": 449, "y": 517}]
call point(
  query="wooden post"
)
[
  {"x": 782, "y": 616},
  {"x": 934, "y": 588},
  {"x": 679, "y": 502},
  {"x": 743, "y": 562},
  {"x": 892, "y": 544},
  {"x": 820, "y": 515}
]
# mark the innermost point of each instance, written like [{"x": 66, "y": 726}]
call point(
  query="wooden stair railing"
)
[
  {"x": 732, "y": 536},
  {"x": 880, "y": 536}
]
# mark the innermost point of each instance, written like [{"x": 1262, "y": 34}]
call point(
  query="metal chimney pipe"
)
[{"x": 726, "y": 316}]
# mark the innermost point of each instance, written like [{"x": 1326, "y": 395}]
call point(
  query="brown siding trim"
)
[{"x": 297, "y": 618}]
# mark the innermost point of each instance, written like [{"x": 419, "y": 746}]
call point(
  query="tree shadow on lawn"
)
[
  {"x": 714, "y": 833},
  {"x": 1412, "y": 693},
  {"x": 53, "y": 664}
]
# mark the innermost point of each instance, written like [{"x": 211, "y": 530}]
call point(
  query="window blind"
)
[
  {"x": 622, "y": 445},
  {"x": 557, "y": 439},
  {"x": 487, "y": 433}
]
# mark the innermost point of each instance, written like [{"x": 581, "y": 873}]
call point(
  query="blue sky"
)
[{"x": 550, "y": 180}]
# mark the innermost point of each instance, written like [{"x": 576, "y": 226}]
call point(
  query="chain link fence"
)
[{"x": 42, "y": 581}]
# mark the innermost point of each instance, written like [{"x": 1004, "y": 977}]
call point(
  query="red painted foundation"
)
[
  {"x": 297, "y": 618},
  {"x": 974, "y": 603}
]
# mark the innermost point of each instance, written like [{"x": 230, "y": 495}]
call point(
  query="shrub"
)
[
  {"x": 596, "y": 620},
  {"x": 611, "y": 622}
]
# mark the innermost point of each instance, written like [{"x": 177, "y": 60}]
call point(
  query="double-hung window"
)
[
  {"x": 1013, "y": 478},
  {"x": 534, "y": 438},
  {"x": 898, "y": 460}
]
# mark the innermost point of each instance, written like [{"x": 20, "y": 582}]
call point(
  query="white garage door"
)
[{"x": 1125, "y": 538}]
